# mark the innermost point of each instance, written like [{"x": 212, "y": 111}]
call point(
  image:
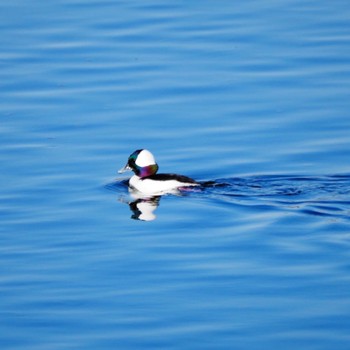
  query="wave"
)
[{"x": 321, "y": 196}]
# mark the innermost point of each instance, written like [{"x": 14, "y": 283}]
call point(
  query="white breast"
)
[{"x": 153, "y": 187}]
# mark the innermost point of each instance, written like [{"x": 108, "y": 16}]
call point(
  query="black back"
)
[{"x": 167, "y": 177}]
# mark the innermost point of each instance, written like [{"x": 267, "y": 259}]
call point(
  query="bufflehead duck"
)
[{"x": 147, "y": 181}]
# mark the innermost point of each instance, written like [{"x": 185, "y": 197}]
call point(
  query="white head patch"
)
[{"x": 145, "y": 158}]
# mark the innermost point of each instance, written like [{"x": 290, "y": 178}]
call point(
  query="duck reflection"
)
[{"x": 143, "y": 208}]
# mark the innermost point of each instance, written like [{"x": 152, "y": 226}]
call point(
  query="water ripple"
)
[{"x": 326, "y": 196}]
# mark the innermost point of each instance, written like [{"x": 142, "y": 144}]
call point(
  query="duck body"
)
[
  {"x": 160, "y": 183},
  {"x": 147, "y": 181}
]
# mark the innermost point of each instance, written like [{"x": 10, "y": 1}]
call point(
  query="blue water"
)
[{"x": 251, "y": 98}]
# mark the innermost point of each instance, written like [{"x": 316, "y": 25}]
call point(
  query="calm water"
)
[{"x": 251, "y": 96}]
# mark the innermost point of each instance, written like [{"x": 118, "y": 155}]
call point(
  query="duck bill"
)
[{"x": 124, "y": 169}]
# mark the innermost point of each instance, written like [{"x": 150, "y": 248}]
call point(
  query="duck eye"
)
[{"x": 131, "y": 162}]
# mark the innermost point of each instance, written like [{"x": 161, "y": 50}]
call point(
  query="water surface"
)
[{"x": 252, "y": 97}]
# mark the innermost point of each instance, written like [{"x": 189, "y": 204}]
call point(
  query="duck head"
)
[{"x": 142, "y": 163}]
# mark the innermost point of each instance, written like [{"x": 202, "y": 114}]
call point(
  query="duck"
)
[{"x": 147, "y": 181}]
